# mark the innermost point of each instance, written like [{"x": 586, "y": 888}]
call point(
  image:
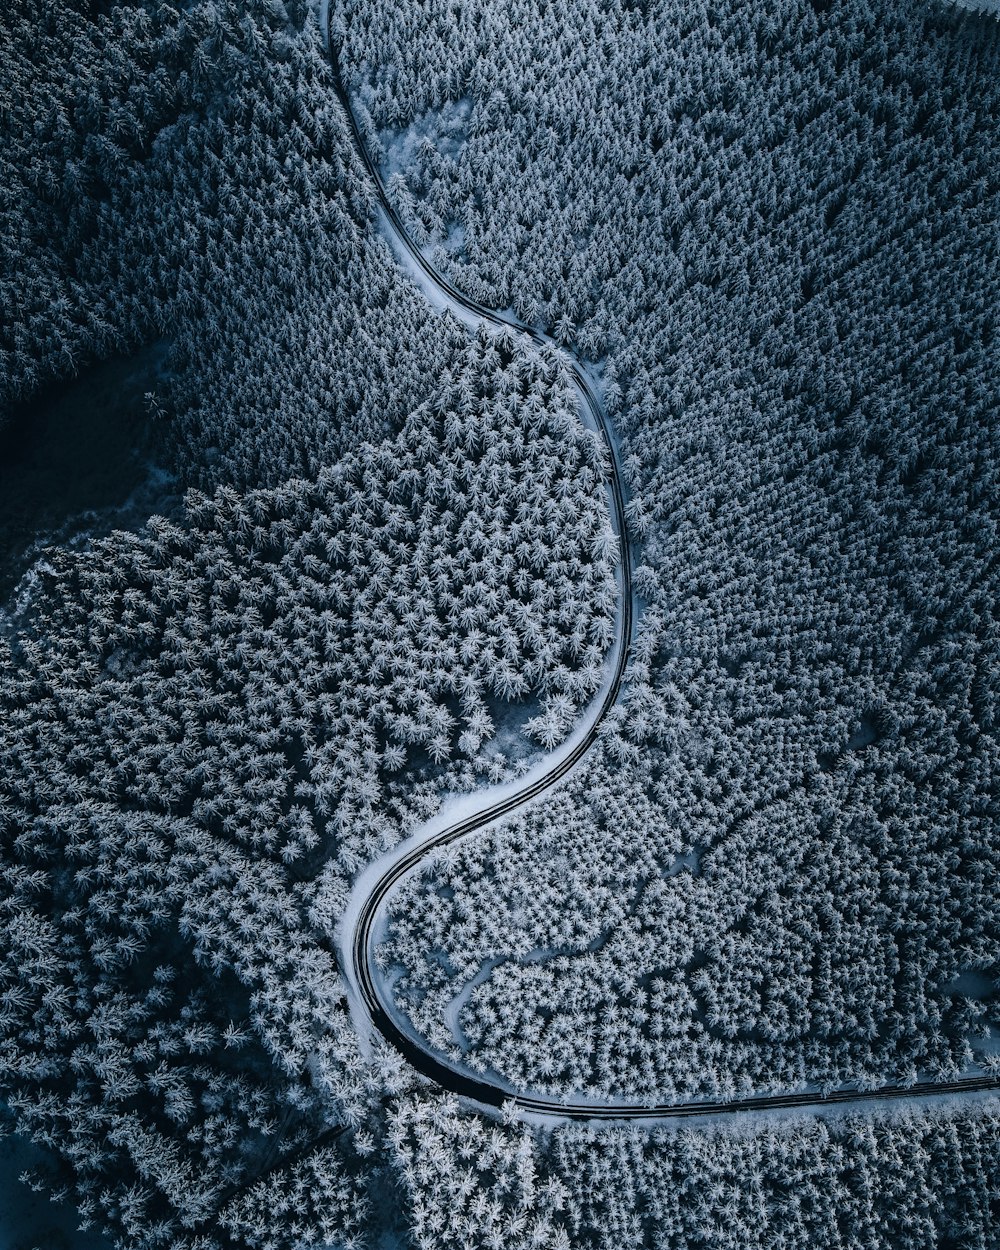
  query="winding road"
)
[{"x": 364, "y": 914}]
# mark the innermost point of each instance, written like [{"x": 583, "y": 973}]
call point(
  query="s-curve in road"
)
[{"x": 370, "y": 997}]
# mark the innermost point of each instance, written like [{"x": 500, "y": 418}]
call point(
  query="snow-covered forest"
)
[
  {"x": 184, "y": 170},
  {"x": 222, "y": 720},
  {"x": 903, "y": 1181},
  {"x": 771, "y": 234},
  {"x": 786, "y": 253}
]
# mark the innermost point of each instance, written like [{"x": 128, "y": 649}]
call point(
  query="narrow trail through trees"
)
[{"x": 356, "y": 937}]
